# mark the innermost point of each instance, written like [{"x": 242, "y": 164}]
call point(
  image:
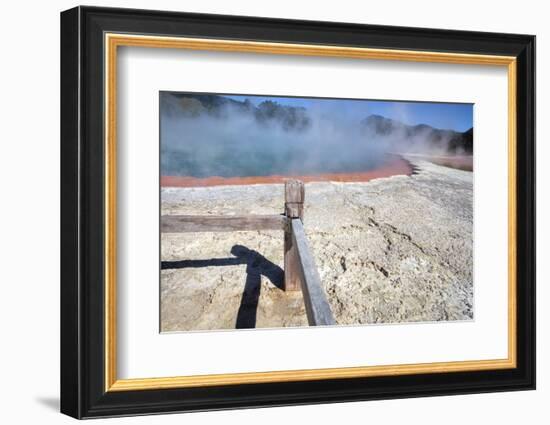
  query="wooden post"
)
[{"x": 294, "y": 208}]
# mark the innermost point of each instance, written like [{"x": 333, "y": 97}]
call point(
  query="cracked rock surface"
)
[{"x": 391, "y": 250}]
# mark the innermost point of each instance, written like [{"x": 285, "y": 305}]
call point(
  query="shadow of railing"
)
[{"x": 256, "y": 266}]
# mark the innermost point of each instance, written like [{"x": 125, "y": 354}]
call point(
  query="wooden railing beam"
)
[
  {"x": 317, "y": 307},
  {"x": 226, "y": 223}
]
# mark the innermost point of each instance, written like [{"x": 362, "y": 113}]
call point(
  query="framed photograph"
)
[{"x": 261, "y": 212}]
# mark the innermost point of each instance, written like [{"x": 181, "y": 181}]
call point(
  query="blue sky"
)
[{"x": 453, "y": 116}]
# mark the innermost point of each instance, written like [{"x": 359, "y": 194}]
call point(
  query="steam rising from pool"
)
[{"x": 204, "y": 136}]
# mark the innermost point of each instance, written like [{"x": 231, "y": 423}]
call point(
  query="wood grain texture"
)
[
  {"x": 317, "y": 307},
  {"x": 292, "y": 272},
  {"x": 294, "y": 199},
  {"x": 294, "y": 208},
  {"x": 217, "y": 223}
]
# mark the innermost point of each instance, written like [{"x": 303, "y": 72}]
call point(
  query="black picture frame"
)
[{"x": 83, "y": 392}]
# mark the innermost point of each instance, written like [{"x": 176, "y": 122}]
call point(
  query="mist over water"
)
[{"x": 204, "y": 136}]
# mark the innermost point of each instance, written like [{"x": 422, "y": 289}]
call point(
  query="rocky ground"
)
[{"x": 396, "y": 249}]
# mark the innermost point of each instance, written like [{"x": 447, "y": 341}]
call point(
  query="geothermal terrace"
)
[{"x": 392, "y": 249}]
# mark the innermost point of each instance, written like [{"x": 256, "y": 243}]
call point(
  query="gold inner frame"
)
[{"x": 113, "y": 41}]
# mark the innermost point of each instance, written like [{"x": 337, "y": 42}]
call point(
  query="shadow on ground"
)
[{"x": 256, "y": 266}]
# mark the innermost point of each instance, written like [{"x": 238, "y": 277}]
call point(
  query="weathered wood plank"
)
[
  {"x": 294, "y": 198},
  {"x": 294, "y": 207},
  {"x": 317, "y": 307},
  {"x": 217, "y": 223},
  {"x": 292, "y": 272}
]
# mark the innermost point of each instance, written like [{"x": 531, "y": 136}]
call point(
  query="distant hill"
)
[
  {"x": 390, "y": 134},
  {"x": 449, "y": 140},
  {"x": 290, "y": 118}
]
